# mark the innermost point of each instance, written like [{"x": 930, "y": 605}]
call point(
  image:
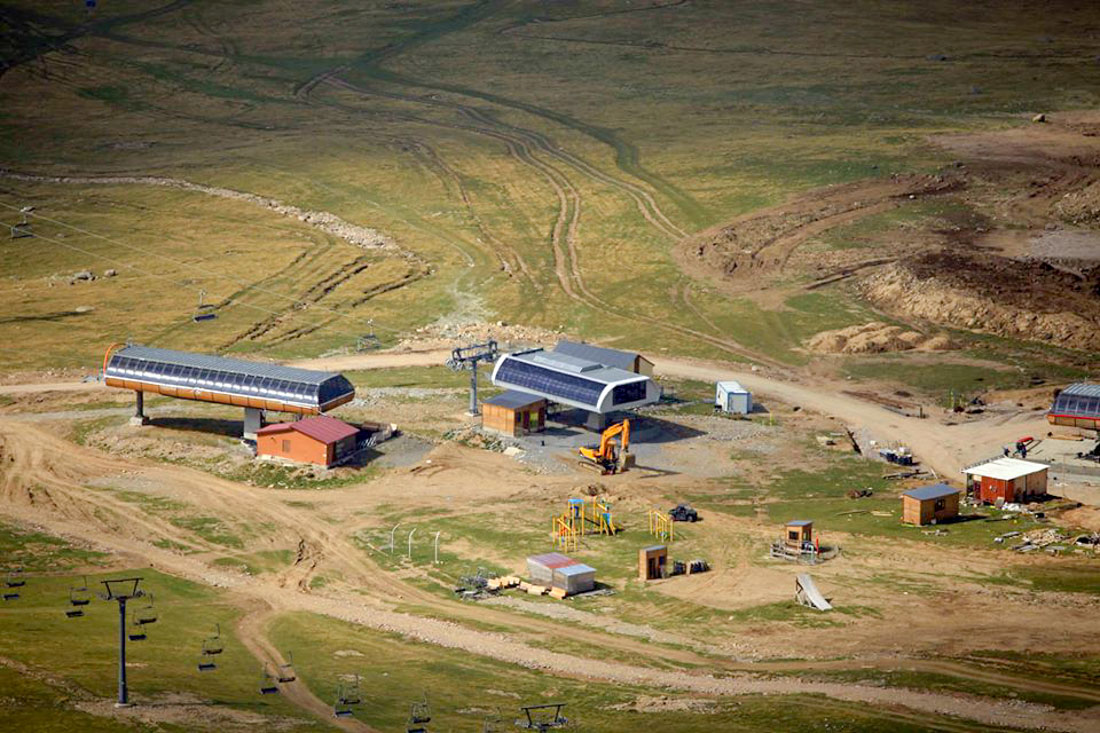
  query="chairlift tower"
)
[
  {"x": 122, "y": 590},
  {"x": 468, "y": 357}
]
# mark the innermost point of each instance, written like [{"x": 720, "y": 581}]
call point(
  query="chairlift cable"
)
[
  {"x": 147, "y": 273},
  {"x": 154, "y": 253}
]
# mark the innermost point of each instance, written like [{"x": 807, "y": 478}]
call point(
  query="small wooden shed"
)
[
  {"x": 514, "y": 413},
  {"x": 320, "y": 439},
  {"x": 652, "y": 562},
  {"x": 929, "y": 504},
  {"x": 799, "y": 532}
]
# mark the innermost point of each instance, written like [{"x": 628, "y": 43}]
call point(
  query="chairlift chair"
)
[
  {"x": 79, "y": 596},
  {"x": 420, "y": 714},
  {"x": 204, "y": 311},
  {"x": 146, "y": 614},
  {"x": 286, "y": 671},
  {"x": 212, "y": 645},
  {"x": 137, "y": 630},
  {"x": 14, "y": 580},
  {"x": 346, "y": 699},
  {"x": 267, "y": 682}
]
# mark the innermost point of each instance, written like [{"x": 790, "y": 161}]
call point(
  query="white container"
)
[{"x": 732, "y": 397}]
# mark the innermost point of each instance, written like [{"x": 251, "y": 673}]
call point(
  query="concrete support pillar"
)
[
  {"x": 596, "y": 421},
  {"x": 139, "y": 417},
  {"x": 253, "y": 421}
]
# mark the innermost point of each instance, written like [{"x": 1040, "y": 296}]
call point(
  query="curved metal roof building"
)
[
  {"x": 1077, "y": 406},
  {"x": 579, "y": 383},
  {"x": 235, "y": 382}
]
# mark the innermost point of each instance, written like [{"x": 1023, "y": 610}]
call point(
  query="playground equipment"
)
[
  {"x": 347, "y": 698},
  {"x": 806, "y": 593},
  {"x": 540, "y": 717},
  {"x": 567, "y": 536},
  {"x": 267, "y": 682},
  {"x": 660, "y": 525},
  {"x": 609, "y": 456},
  {"x": 582, "y": 517},
  {"x": 79, "y": 596}
]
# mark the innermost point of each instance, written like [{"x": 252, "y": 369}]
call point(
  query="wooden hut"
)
[
  {"x": 652, "y": 562},
  {"x": 929, "y": 504},
  {"x": 514, "y": 413},
  {"x": 321, "y": 439}
]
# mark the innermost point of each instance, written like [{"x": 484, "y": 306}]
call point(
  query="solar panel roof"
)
[
  {"x": 236, "y": 377},
  {"x": 224, "y": 364},
  {"x": 572, "y": 381}
]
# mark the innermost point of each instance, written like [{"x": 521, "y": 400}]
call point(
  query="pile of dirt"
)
[
  {"x": 1020, "y": 299},
  {"x": 762, "y": 243},
  {"x": 447, "y": 333},
  {"x": 875, "y": 338}
]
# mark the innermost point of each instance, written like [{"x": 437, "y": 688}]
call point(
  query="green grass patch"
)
[{"x": 40, "y": 552}]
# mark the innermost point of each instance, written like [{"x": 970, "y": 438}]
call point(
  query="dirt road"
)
[{"x": 944, "y": 447}]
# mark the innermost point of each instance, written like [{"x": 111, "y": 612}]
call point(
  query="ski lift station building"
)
[
  {"x": 247, "y": 384},
  {"x": 575, "y": 382}
]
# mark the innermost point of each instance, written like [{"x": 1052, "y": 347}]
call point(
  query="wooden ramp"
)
[{"x": 806, "y": 593}]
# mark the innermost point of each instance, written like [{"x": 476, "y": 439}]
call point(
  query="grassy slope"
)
[{"x": 714, "y": 108}]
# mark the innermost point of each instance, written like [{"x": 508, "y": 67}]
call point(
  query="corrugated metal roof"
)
[
  {"x": 654, "y": 548},
  {"x": 1006, "y": 469},
  {"x": 325, "y": 429},
  {"x": 599, "y": 354},
  {"x": 576, "y": 569},
  {"x": 221, "y": 363},
  {"x": 800, "y": 522},
  {"x": 732, "y": 386},
  {"x": 552, "y": 560},
  {"x": 935, "y": 491},
  {"x": 513, "y": 400},
  {"x": 1083, "y": 389},
  {"x": 320, "y": 427}
]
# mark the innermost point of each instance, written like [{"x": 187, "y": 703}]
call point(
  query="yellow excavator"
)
[{"x": 609, "y": 456}]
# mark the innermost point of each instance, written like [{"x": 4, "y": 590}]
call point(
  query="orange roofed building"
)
[{"x": 321, "y": 439}]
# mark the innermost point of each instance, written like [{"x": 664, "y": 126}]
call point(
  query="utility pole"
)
[
  {"x": 468, "y": 357},
  {"x": 122, "y": 590}
]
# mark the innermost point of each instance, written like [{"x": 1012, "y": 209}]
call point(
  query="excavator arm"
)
[{"x": 605, "y": 453}]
